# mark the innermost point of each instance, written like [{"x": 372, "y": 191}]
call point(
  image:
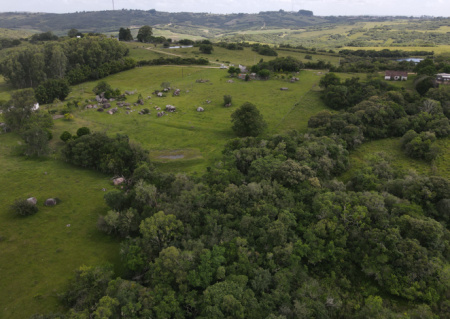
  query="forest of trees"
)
[
  {"x": 270, "y": 232},
  {"x": 76, "y": 60}
]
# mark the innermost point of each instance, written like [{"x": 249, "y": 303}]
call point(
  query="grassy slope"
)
[
  {"x": 39, "y": 253},
  {"x": 198, "y": 136}
]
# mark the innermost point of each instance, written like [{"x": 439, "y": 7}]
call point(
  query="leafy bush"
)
[
  {"x": 65, "y": 136},
  {"x": 51, "y": 90},
  {"x": 83, "y": 131},
  {"x": 109, "y": 155},
  {"x": 36, "y": 140},
  {"x": 248, "y": 121},
  {"x": 227, "y": 100},
  {"x": 420, "y": 145},
  {"x": 23, "y": 207}
]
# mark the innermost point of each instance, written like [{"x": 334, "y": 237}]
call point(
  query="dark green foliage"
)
[
  {"x": 426, "y": 67},
  {"x": 23, "y": 207},
  {"x": 264, "y": 50},
  {"x": 83, "y": 131},
  {"x": 175, "y": 61},
  {"x": 247, "y": 120},
  {"x": 87, "y": 287},
  {"x": 105, "y": 88},
  {"x": 420, "y": 145},
  {"x": 65, "y": 136},
  {"x": 75, "y": 59},
  {"x": 72, "y": 33},
  {"x": 19, "y": 110},
  {"x": 329, "y": 79},
  {"x": 110, "y": 155},
  {"x": 45, "y": 36},
  {"x": 51, "y": 90},
  {"x": 36, "y": 142},
  {"x": 186, "y": 42},
  {"x": 286, "y": 64},
  {"x": 206, "y": 48},
  {"x": 424, "y": 83},
  {"x": 269, "y": 234},
  {"x": 145, "y": 34},
  {"x": 233, "y": 70},
  {"x": 264, "y": 74},
  {"x": 125, "y": 35},
  {"x": 8, "y": 43},
  {"x": 227, "y": 100}
]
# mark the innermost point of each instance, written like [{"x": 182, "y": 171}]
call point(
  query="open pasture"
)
[
  {"x": 40, "y": 252},
  {"x": 194, "y": 136}
]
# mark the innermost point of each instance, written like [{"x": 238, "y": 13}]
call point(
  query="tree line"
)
[{"x": 76, "y": 59}]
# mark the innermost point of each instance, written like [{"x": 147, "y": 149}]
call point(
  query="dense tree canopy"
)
[
  {"x": 77, "y": 60},
  {"x": 247, "y": 120},
  {"x": 144, "y": 34},
  {"x": 125, "y": 34}
]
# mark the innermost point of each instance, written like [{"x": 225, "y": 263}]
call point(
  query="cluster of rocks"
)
[
  {"x": 230, "y": 81},
  {"x": 284, "y": 89},
  {"x": 120, "y": 104},
  {"x": 200, "y": 109},
  {"x": 48, "y": 201},
  {"x": 201, "y": 81},
  {"x": 207, "y": 101},
  {"x": 130, "y": 92},
  {"x": 112, "y": 111},
  {"x": 170, "y": 108},
  {"x": 294, "y": 79},
  {"x": 144, "y": 111},
  {"x": 159, "y": 114},
  {"x": 176, "y": 92},
  {"x": 101, "y": 98}
]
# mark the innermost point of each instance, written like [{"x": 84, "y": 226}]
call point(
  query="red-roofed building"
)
[{"x": 396, "y": 75}]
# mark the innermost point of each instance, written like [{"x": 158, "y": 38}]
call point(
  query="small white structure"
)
[
  {"x": 443, "y": 78},
  {"x": 396, "y": 75},
  {"x": 35, "y": 107}
]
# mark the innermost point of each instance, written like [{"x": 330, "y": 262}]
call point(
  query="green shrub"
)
[
  {"x": 227, "y": 100},
  {"x": 83, "y": 131},
  {"x": 23, "y": 207},
  {"x": 65, "y": 136}
]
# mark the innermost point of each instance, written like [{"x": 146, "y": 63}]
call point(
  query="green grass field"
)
[
  {"x": 199, "y": 136},
  {"x": 39, "y": 253}
]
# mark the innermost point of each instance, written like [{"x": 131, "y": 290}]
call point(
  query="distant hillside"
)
[
  {"x": 14, "y": 34},
  {"x": 104, "y": 21}
]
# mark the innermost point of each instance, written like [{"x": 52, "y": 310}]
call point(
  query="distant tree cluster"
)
[
  {"x": 174, "y": 60},
  {"x": 125, "y": 34},
  {"x": 264, "y": 49},
  {"x": 375, "y": 110},
  {"x": 76, "y": 60},
  {"x": 284, "y": 64}
]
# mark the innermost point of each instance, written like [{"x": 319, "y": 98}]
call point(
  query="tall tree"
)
[
  {"x": 248, "y": 121},
  {"x": 145, "y": 34},
  {"x": 18, "y": 111},
  {"x": 125, "y": 34}
]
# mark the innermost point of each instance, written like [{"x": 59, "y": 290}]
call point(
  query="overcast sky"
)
[{"x": 320, "y": 7}]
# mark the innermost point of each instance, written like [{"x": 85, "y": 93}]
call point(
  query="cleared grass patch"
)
[{"x": 399, "y": 160}]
